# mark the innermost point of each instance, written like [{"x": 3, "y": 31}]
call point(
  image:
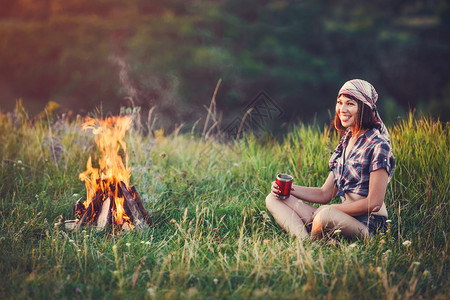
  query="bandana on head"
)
[{"x": 365, "y": 92}]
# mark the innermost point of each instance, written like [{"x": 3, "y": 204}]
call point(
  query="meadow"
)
[{"x": 212, "y": 236}]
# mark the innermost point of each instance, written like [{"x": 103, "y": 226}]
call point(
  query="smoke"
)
[{"x": 126, "y": 82}]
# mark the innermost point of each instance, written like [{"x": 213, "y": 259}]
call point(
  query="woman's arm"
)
[
  {"x": 372, "y": 203},
  {"x": 320, "y": 195}
]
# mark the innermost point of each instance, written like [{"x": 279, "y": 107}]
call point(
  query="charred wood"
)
[
  {"x": 79, "y": 209},
  {"x": 86, "y": 216}
]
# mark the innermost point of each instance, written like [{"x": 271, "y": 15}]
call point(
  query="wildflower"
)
[
  {"x": 75, "y": 195},
  {"x": 22, "y": 168},
  {"x": 406, "y": 243},
  {"x": 388, "y": 221},
  {"x": 116, "y": 273},
  {"x": 36, "y": 196},
  {"x": 114, "y": 247},
  {"x": 142, "y": 242},
  {"x": 128, "y": 244},
  {"x": 86, "y": 236},
  {"x": 379, "y": 269},
  {"x": 84, "y": 231},
  {"x": 352, "y": 245},
  {"x": 25, "y": 222},
  {"x": 236, "y": 164},
  {"x": 147, "y": 243},
  {"x": 216, "y": 281},
  {"x": 214, "y": 229},
  {"x": 265, "y": 216},
  {"x": 426, "y": 273},
  {"x": 79, "y": 250},
  {"x": 416, "y": 263},
  {"x": 337, "y": 231},
  {"x": 173, "y": 221},
  {"x": 71, "y": 241},
  {"x": 78, "y": 291},
  {"x": 163, "y": 154}
]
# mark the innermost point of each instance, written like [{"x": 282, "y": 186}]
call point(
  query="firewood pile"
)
[{"x": 102, "y": 211}]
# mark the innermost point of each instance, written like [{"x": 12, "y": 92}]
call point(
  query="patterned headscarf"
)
[{"x": 365, "y": 92}]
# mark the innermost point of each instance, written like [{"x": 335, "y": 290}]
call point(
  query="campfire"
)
[{"x": 110, "y": 202}]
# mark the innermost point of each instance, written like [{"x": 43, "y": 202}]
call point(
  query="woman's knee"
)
[
  {"x": 271, "y": 201},
  {"x": 323, "y": 218}
]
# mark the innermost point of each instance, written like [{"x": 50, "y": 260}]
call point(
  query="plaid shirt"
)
[{"x": 369, "y": 153}]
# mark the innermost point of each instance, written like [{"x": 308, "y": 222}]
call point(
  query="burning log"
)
[
  {"x": 104, "y": 217},
  {"x": 92, "y": 210},
  {"x": 85, "y": 216},
  {"x": 132, "y": 208},
  {"x": 79, "y": 209},
  {"x": 140, "y": 205}
]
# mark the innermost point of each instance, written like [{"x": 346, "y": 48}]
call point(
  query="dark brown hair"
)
[{"x": 365, "y": 120}]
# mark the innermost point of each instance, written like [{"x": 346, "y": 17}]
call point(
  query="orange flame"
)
[{"x": 109, "y": 134}]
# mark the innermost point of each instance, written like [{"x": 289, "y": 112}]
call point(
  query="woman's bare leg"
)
[
  {"x": 304, "y": 210},
  {"x": 292, "y": 214},
  {"x": 330, "y": 219}
]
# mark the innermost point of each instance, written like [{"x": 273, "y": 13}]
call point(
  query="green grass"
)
[{"x": 213, "y": 237}]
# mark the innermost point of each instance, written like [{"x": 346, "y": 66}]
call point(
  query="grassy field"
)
[{"x": 213, "y": 237}]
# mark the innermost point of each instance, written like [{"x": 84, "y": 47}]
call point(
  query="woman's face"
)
[{"x": 347, "y": 110}]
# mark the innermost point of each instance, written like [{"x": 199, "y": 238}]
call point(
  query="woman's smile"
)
[
  {"x": 347, "y": 110},
  {"x": 345, "y": 119}
]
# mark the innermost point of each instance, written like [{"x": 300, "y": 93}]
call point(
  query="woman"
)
[{"x": 360, "y": 168}]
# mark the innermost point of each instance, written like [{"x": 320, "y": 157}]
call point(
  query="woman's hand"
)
[{"x": 275, "y": 189}]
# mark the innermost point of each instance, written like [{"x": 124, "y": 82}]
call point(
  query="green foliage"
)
[
  {"x": 421, "y": 186},
  {"x": 212, "y": 236}
]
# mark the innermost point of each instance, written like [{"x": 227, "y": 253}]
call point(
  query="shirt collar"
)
[{"x": 369, "y": 134}]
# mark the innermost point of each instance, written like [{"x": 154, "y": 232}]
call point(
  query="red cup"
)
[{"x": 284, "y": 182}]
